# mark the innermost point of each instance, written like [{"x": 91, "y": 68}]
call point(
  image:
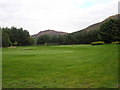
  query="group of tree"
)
[
  {"x": 15, "y": 37},
  {"x": 108, "y": 32},
  {"x": 83, "y": 37},
  {"x": 51, "y": 40}
]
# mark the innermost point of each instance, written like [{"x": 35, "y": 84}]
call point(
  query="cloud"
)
[{"x": 61, "y": 15}]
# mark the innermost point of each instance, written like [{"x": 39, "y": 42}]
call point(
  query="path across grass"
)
[{"x": 65, "y": 66}]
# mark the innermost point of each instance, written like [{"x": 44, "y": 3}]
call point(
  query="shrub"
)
[
  {"x": 98, "y": 43},
  {"x": 15, "y": 43},
  {"x": 116, "y": 42}
]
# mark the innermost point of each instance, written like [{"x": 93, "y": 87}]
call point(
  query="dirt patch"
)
[{"x": 12, "y": 47}]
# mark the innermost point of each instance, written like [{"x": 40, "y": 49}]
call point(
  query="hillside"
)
[
  {"x": 97, "y": 25},
  {"x": 89, "y": 28},
  {"x": 48, "y": 32}
]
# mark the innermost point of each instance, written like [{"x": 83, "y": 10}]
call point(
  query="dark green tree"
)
[
  {"x": 43, "y": 39},
  {"x": 69, "y": 39},
  {"x": 17, "y": 36},
  {"x": 54, "y": 40},
  {"x": 60, "y": 39},
  {"x": 31, "y": 41},
  {"x": 110, "y": 31},
  {"x": 5, "y": 39}
]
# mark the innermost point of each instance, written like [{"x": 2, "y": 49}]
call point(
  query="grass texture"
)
[{"x": 64, "y": 66}]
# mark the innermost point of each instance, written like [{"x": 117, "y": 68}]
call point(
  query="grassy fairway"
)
[{"x": 69, "y": 66}]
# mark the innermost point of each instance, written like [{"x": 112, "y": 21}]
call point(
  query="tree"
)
[
  {"x": 0, "y": 37},
  {"x": 60, "y": 39},
  {"x": 54, "y": 39},
  {"x": 110, "y": 31},
  {"x": 69, "y": 39},
  {"x": 16, "y": 36},
  {"x": 31, "y": 41},
  {"x": 15, "y": 43},
  {"x": 5, "y": 39},
  {"x": 43, "y": 39}
]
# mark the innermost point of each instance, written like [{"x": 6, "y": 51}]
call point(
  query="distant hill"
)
[
  {"x": 48, "y": 32},
  {"x": 89, "y": 28},
  {"x": 97, "y": 25}
]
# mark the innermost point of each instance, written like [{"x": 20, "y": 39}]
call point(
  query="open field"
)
[
  {"x": 66, "y": 66},
  {"x": 0, "y": 68}
]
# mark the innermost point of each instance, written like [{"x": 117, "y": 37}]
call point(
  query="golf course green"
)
[{"x": 63, "y": 66}]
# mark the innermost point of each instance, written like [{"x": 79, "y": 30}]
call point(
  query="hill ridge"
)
[
  {"x": 89, "y": 28},
  {"x": 49, "y": 32},
  {"x": 97, "y": 25}
]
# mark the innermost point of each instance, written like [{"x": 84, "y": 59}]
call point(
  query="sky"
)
[{"x": 60, "y": 15}]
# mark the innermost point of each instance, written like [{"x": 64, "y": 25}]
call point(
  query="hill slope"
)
[
  {"x": 97, "y": 25},
  {"x": 89, "y": 28},
  {"x": 48, "y": 32}
]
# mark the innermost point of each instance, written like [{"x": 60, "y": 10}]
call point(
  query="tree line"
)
[
  {"x": 108, "y": 32},
  {"x": 84, "y": 37},
  {"x": 15, "y": 37}
]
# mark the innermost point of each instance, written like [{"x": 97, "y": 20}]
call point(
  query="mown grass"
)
[
  {"x": 65, "y": 66},
  {"x": 0, "y": 68}
]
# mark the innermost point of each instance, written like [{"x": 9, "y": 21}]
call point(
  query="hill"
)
[
  {"x": 89, "y": 28},
  {"x": 97, "y": 25},
  {"x": 49, "y": 32}
]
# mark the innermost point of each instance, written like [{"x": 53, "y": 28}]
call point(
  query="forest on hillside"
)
[{"x": 109, "y": 32}]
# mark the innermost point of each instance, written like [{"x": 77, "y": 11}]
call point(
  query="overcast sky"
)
[{"x": 59, "y": 15}]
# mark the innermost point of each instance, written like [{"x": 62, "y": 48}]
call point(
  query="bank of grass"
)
[{"x": 65, "y": 66}]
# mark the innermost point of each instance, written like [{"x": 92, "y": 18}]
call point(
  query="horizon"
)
[{"x": 59, "y": 15}]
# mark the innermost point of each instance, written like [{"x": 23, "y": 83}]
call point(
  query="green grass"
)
[
  {"x": 65, "y": 66},
  {"x": 0, "y": 68}
]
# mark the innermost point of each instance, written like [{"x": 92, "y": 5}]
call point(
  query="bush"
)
[
  {"x": 98, "y": 43},
  {"x": 116, "y": 42}
]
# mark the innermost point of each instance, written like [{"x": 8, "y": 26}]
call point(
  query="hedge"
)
[
  {"x": 98, "y": 43},
  {"x": 116, "y": 42}
]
